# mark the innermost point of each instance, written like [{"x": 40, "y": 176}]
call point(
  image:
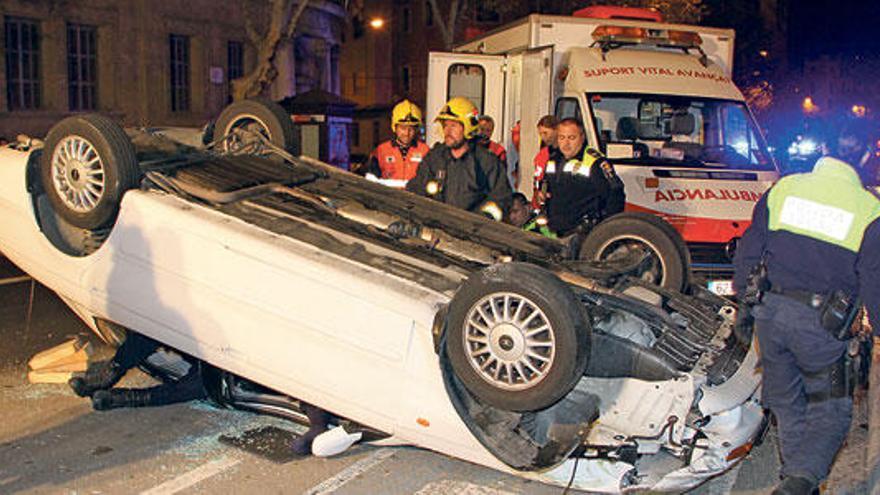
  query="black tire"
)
[
  {"x": 260, "y": 114},
  {"x": 528, "y": 288},
  {"x": 88, "y": 204},
  {"x": 648, "y": 230}
]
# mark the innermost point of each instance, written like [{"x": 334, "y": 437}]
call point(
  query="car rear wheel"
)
[
  {"x": 87, "y": 165},
  {"x": 517, "y": 337},
  {"x": 246, "y": 124},
  {"x": 620, "y": 235}
]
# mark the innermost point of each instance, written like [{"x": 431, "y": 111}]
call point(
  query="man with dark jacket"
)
[
  {"x": 579, "y": 183},
  {"x": 460, "y": 172}
]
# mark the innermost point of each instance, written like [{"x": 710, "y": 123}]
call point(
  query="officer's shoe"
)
[
  {"x": 103, "y": 400},
  {"x": 99, "y": 376},
  {"x": 796, "y": 485}
]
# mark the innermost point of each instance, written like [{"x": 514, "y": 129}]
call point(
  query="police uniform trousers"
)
[{"x": 812, "y": 420}]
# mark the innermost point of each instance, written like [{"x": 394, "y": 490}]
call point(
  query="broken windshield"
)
[{"x": 680, "y": 131}]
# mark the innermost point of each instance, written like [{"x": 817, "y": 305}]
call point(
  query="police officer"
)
[
  {"x": 460, "y": 172},
  {"x": 579, "y": 183},
  {"x": 395, "y": 161},
  {"x": 817, "y": 237}
]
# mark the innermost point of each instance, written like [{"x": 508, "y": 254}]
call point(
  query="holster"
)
[{"x": 840, "y": 376}]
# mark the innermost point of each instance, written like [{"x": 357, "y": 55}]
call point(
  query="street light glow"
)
[
  {"x": 859, "y": 110},
  {"x": 377, "y": 23},
  {"x": 808, "y": 105}
]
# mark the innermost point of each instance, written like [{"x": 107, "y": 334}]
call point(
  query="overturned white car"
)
[{"x": 464, "y": 336}]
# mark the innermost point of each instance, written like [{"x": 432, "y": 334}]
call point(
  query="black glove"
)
[{"x": 743, "y": 327}]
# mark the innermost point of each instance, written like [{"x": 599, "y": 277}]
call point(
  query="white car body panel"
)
[{"x": 225, "y": 291}]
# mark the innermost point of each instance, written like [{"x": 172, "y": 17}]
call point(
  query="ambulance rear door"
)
[
  {"x": 533, "y": 102},
  {"x": 479, "y": 78}
]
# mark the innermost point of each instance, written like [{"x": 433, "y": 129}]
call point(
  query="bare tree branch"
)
[{"x": 294, "y": 19}]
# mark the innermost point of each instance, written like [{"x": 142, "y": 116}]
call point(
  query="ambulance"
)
[{"x": 657, "y": 99}]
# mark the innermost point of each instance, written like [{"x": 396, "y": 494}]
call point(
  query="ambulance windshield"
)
[{"x": 680, "y": 131}]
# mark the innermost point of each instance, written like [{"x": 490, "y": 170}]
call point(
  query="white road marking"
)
[
  {"x": 445, "y": 487},
  {"x": 333, "y": 483},
  {"x": 193, "y": 477}
]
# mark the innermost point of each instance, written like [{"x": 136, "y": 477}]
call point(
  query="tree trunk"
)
[{"x": 282, "y": 24}]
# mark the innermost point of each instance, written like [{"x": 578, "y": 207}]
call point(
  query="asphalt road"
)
[{"x": 52, "y": 442}]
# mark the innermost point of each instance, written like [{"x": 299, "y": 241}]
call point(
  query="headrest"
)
[
  {"x": 627, "y": 129},
  {"x": 682, "y": 124}
]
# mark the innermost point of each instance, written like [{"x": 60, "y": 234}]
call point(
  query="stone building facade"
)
[{"x": 146, "y": 62}]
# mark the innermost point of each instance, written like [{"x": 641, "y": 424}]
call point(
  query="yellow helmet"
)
[
  {"x": 461, "y": 110},
  {"x": 406, "y": 113}
]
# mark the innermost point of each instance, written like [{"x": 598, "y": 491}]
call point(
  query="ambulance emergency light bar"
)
[{"x": 612, "y": 35}]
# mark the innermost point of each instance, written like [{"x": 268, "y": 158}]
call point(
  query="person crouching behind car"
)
[
  {"x": 523, "y": 216},
  {"x": 98, "y": 381},
  {"x": 460, "y": 172}
]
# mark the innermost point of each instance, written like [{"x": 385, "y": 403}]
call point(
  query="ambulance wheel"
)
[
  {"x": 246, "y": 124},
  {"x": 517, "y": 337},
  {"x": 618, "y": 236},
  {"x": 87, "y": 165}
]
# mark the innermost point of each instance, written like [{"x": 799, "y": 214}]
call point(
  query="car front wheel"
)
[{"x": 517, "y": 337}]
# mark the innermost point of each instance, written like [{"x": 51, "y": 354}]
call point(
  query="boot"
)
[
  {"x": 114, "y": 398},
  {"x": 99, "y": 376},
  {"x": 318, "y": 420},
  {"x": 796, "y": 485},
  {"x": 188, "y": 388}
]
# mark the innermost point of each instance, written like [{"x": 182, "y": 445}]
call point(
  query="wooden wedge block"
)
[
  {"x": 64, "y": 350},
  {"x": 49, "y": 376},
  {"x": 78, "y": 361}
]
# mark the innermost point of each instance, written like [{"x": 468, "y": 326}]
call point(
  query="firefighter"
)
[
  {"x": 547, "y": 131},
  {"x": 487, "y": 127},
  {"x": 579, "y": 184},
  {"x": 812, "y": 250},
  {"x": 395, "y": 161},
  {"x": 459, "y": 171}
]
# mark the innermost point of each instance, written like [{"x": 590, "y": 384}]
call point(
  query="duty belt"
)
[{"x": 806, "y": 297}]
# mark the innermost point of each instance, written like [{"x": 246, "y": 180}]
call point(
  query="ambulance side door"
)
[{"x": 479, "y": 78}]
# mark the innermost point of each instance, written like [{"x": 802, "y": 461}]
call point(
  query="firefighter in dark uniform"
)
[
  {"x": 579, "y": 184},
  {"x": 811, "y": 254},
  {"x": 459, "y": 171},
  {"x": 395, "y": 161},
  {"x": 98, "y": 381}
]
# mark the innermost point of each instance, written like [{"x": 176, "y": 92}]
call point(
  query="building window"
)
[
  {"x": 354, "y": 135},
  {"x": 179, "y": 46},
  {"x": 234, "y": 63},
  {"x": 405, "y": 78},
  {"x": 22, "y": 38},
  {"x": 429, "y": 14},
  {"x": 82, "y": 67},
  {"x": 375, "y": 133},
  {"x": 405, "y": 19}
]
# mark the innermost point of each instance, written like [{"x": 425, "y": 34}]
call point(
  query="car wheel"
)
[
  {"x": 621, "y": 234},
  {"x": 245, "y": 124},
  {"x": 517, "y": 337},
  {"x": 87, "y": 165}
]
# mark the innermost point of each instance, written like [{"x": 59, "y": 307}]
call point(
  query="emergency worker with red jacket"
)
[{"x": 395, "y": 161}]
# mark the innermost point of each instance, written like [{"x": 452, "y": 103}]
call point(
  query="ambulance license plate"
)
[{"x": 721, "y": 287}]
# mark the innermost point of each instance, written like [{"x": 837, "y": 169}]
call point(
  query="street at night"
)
[{"x": 440, "y": 247}]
